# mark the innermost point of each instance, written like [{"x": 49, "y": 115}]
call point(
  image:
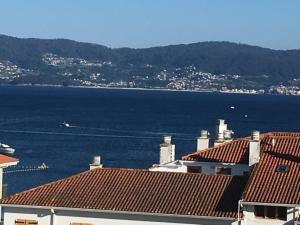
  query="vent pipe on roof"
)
[
  {"x": 203, "y": 141},
  {"x": 254, "y": 148},
  {"x": 96, "y": 162},
  {"x": 167, "y": 150}
]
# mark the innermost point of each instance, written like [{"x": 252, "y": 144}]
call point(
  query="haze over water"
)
[{"x": 123, "y": 126}]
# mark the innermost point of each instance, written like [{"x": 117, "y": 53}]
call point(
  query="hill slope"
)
[{"x": 204, "y": 65}]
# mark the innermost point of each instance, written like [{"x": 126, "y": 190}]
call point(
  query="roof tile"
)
[{"x": 140, "y": 191}]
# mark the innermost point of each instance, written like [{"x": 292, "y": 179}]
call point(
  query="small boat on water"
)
[
  {"x": 7, "y": 149},
  {"x": 65, "y": 124}
]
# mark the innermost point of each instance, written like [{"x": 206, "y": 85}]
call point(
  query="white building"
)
[{"x": 5, "y": 161}]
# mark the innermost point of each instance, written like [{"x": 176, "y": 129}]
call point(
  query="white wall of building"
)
[
  {"x": 66, "y": 217},
  {"x": 40, "y": 215},
  {"x": 207, "y": 167}
]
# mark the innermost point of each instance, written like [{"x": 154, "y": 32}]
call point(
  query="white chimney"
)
[
  {"x": 203, "y": 141},
  {"x": 227, "y": 134},
  {"x": 254, "y": 148},
  {"x": 96, "y": 162},
  {"x": 219, "y": 140},
  {"x": 221, "y": 127},
  {"x": 167, "y": 150}
]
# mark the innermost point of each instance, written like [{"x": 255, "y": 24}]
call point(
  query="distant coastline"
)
[{"x": 139, "y": 89}]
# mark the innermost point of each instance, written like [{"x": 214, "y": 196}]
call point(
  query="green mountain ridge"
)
[{"x": 254, "y": 66}]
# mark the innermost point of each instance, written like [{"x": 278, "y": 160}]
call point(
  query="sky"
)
[{"x": 146, "y": 23}]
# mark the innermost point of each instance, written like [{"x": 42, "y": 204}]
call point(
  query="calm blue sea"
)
[{"x": 123, "y": 126}]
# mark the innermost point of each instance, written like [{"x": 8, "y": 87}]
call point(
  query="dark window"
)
[
  {"x": 259, "y": 211},
  {"x": 270, "y": 212},
  {"x": 223, "y": 170},
  {"x": 281, "y": 213},
  {"x": 246, "y": 173},
  {"x": 194, "y": 169}
]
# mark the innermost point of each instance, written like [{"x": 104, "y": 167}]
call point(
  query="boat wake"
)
[{"x": 87, "y": 134}]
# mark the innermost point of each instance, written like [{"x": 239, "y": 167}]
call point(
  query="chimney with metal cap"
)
[
  {"x": 203, "y": 141},
  {"x": 167, "y": 150},
  {"x": 254, "y": 148},
  {"x": 96, "y": 162}
]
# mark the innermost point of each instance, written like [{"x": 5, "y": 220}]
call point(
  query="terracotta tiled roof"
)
[
  {"x": 6, "y": 159},
  {"x": 269, "y": 186},
  {"x": 235, "y": 151},
  {"x": 140, "y": 191},
  {"x": 266, "y": 184},
  {"x": 283, "y": 134}
]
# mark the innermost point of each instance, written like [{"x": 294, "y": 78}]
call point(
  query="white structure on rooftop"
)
[{"x": 167, "y": 150}]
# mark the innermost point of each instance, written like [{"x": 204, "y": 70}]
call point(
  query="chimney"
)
[
  {"x": 167, "y": 150},
  {"x": 202, "y": 141},
  {"x": 96, "y": 162},
  {"x": 221, "y": 127},
  {"x": 227, "y": 135},
  {"x": 254, "y": 148}
]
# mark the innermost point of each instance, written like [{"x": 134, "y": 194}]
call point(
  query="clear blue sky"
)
[{"x": 144, "y": 23}]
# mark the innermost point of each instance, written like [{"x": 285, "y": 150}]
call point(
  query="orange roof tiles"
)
[
  {"x": 140, "y": 191},
  {"x": 235, "y": 151},
  {"x": 7, "y": 159},
  {"x": 266, "y": 185}
]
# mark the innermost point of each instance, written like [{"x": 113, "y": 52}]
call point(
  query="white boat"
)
[
  {"x": 6, "y": 148},
  {"x": 65, "y": 124}
]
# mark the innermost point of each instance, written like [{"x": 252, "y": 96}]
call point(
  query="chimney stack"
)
[
  {"x": 254, "y": 148},
  {"x": 220, "y": 128},
  {"x": 202, "y": 141},
  {"x": 227, "y": 135},
  {"x": 96, "y": 162},
  {"x": 167, "y": 150}
]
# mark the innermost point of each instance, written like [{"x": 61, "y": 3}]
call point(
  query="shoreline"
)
[{"x": 137, "y": 89}]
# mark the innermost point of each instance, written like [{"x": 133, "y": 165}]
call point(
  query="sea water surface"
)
[{"x": 123, "y": 126}]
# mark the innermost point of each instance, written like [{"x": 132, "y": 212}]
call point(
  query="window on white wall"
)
[
  {"x": 270, "y": 212},
  {"x": 25, "y": 222},
  {"x": 194, "y": 169},
  {"x": 223, "y": 170}
]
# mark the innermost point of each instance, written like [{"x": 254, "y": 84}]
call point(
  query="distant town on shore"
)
[{"x": 205, "y": 66}]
